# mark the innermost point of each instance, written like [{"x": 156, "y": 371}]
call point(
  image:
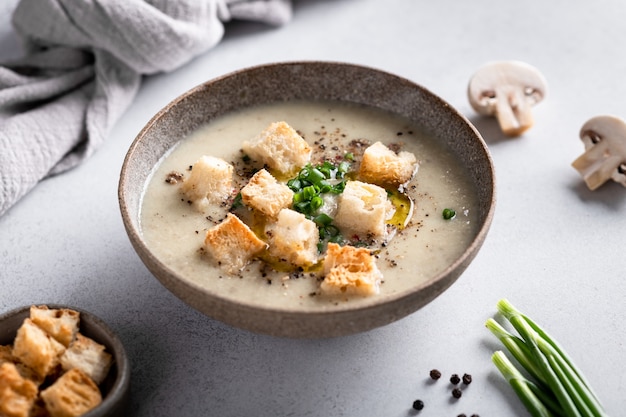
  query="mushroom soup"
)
[{"x": 424, "y": 247}]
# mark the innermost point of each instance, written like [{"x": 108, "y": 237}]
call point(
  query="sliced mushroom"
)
[
  {"x": 605, "y": 151},
  {"x": 507, "y": 90}
]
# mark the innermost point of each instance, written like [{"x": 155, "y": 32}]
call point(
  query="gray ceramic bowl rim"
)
[
  {"x": 115, "y": 401},
  {"x": 211, "y": 304}
]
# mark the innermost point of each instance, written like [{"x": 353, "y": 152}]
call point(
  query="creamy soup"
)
[{"x": 174, "y": 230}]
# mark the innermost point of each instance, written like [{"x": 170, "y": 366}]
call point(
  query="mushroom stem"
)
[
  {"x": 513, "y": 112},
  {"x": 595, "y": 166}
]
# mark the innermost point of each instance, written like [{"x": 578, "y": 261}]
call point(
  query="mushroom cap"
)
[
  {"x": 498, "y": 75},
  {"x": 606, "y": 126}
]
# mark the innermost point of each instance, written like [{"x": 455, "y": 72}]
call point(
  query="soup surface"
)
[{"x": 175, "y": 230}]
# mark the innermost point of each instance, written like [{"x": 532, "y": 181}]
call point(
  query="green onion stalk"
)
[{"x": 555, "y": 387}]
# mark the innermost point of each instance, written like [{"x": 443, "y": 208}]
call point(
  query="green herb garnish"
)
[
  {"x": 237, "y": 202},
  {"x": 309, "y": 186},
  {"x": 555, "y": 387},
  {"x": 448, "y": 214}
]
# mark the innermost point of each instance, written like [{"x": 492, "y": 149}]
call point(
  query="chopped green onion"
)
[
  {"x": 309, "y": 186},
  {"x": 561, "y": 387},
  {"x": 237, "y": 202},
  {"x": 448, "y": 214},
  {"x": 323, "y": 219}
]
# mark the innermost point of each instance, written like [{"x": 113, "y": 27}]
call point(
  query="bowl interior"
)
[
  {"x": 115, "y": 387},
  {"x": 316, "y": 81}
]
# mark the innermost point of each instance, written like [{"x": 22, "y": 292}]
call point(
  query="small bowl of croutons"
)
[
  {"x": 60, "y": 361},
  {"x": 307, "y": 199}
]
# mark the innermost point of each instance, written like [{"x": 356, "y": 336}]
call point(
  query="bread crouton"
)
[
  {"x": 265, "y": 194},
  {"x": 6, "y": 356},
  {"x": 382, "y": 166},
  {"x": 62, "y": 324},
  {"x": 210, "y": 182},
  {"x": 363, "y": 209},
  {"x": 350, "y": 271},
  {"x": 293, "y": 238},
  {"x": 73, "y": 394},
  {"x": 280, "y": 148},
  {"x": 36, "y": 349},
  {"x": 17, "y": 394},
  {"x": 232, "y": 244},
  {"x": 89, "y": 356}
]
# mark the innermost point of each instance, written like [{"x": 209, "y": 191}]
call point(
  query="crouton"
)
[
  {"x": 232, "y": 244},
  {"x": 363, "y": 209},
  {"x": 89, "y": 356},
  {"x": 293, "y": 238},
  {"x": 350, "y": 271},
  {"x": 61, "y": 324},
  {"x": 209, "y": 183},
  {"x": 37, "y": 349},
  {"x": 280, "y": 148},
  {"x": 6, "y": 356},
  {"x": 73, "y": 394},
  {"x": 17, "y": 394},
  {"x": 382, "y": 166},
  {"x": 265, "y": 194}
]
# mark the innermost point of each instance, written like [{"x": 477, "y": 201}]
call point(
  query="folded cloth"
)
[{"x": 83, "y": 65}]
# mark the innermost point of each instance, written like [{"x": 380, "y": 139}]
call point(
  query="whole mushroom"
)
[
  {"x": 604, "y": 138},
  {"x": 507, "y": 90}
]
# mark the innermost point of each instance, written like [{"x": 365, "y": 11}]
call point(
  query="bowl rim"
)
[
  {"x": 117, "y": 396},
  {"x": 438, "y": 280}
]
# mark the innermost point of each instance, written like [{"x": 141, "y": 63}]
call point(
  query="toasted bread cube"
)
[
  {"x": 265, "y": 194},
  {"x": 293, "y": 238},
  {"x": 6, "y": 356},
  {"x": 62, "y": 324},
  {"x": 89, "y": 356},
  {"x": 363, "y": 209},
  {"x": 73, "y": 394},
  {"x": 232, "y": 244},
  {"x": 382, "y": 166},
  {"x": 17, "y": 394},
  {"x": 210, "y": 182},
  {"x": 36, "y": 349},
  {"x": 280, "y": 148},
  {"x": 350, "y": 271}
]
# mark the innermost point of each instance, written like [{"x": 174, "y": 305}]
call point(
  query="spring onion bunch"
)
[
  {"x": 309, "y": 185},
  {"x": 554, "y": 387}
]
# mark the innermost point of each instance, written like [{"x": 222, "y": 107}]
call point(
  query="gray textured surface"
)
[{"x": 554, "y": 248}]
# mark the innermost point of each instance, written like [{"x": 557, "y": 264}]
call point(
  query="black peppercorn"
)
[
  {"x": 461, "y": 415},
  {"x": 456, "y": 393},
  {"x": 454, "y": 379},
  {"x": 467, "y": 379},
  {"x": 435, "y": 374},
  {"x": 418, "y": 404}
]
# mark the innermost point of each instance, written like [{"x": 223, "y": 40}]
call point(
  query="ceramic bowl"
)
[
  {"x": 116, "y": 386},
  {"x": 311, "y": 80}
]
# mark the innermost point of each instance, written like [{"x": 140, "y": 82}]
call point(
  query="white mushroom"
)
[
  {"x": 507, "y": 90},
  {"x": 605, "y": 151}
]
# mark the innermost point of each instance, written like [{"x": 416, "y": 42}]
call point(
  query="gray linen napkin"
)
[{"x": 82, "y": 67}]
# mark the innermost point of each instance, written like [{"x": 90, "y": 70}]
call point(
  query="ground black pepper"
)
[
  {"x": 454, "y": 379},
  {"x": 456, "y": 393},
  {"x": 418, "y": 404},
  {"x": 435, "y": 374},
  {"x": 467, "y": 379}
]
